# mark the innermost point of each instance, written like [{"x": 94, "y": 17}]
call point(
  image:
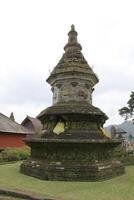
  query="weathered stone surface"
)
[
  {"x": 72, "y": 160},
  {"x": 72, "y": 145},
  {"x": 94, "y": 172},
  {"x": 72, "y": 75}
]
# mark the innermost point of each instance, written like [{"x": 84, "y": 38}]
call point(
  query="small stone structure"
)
[{"x": 73, "y": 145}]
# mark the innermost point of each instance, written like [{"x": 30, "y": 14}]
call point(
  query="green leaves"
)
[{"x": 128, "y": 112}]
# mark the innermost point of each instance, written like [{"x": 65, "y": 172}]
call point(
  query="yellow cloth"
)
[
  {"x": 59, "y": 128},
  {"x": 105, "y": 133}
]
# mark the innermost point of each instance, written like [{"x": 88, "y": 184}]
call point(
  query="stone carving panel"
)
[{"x": 72, "y": 91}]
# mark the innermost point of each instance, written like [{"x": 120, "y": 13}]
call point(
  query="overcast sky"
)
[{"x": 33, "y": 34}]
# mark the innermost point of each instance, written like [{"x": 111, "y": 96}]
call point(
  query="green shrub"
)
[
  {"x": 10, "y": 154},
  {"x": 126, "y": 157},
  {"x": 14, "y": 154},
  {"x": 1, "y": 158},
  {"x": 24, "y": 153},
  {"x": 120, "y": 152},
  {"x": 128, "y": 161}
]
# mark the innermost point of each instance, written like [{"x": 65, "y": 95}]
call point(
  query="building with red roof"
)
[{"x": 12, "y": 134}]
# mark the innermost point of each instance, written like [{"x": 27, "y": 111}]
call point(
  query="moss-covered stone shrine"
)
[{"x": 73, "y": 145}]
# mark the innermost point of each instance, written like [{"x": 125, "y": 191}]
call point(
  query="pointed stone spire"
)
[
  {"x": 72, "y": 66},
  {"x": 12, "y": 116},
  {"x": 72, "y": 40}
]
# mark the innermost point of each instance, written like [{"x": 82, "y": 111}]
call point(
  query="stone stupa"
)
[{"x": 72, "y": 145}]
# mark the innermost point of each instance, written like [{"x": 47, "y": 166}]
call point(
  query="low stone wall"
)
[
  {"x": 58, "y": 172},
  {"x": 9, "y": 162},
  {"x": 22, "y": 195},
  {"x": 72, "y": 160}
]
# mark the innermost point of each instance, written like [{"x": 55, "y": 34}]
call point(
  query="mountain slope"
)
[{"x": 127, "y": 126}]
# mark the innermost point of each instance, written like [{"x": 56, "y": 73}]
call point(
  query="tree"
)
[{"x": 128, "y": 111}]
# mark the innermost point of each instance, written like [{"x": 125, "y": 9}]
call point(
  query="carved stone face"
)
[{"x": 82, "y": 95}]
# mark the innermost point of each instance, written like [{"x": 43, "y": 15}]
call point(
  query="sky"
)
[{"x": 32, "y": 36}]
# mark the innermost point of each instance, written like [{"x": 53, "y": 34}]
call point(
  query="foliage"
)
[
  {"x": 24, "y": 153},
  {"x": 128, "y": 111},
  {"x": 1, "y": 158},
  {"x": 10, "y": 154},
  {"x": 119, "y": 188},
  {"x": 14, "y": 154},
  {"x": 120, "y": 152},
  {"x": 126, "y": 157}
]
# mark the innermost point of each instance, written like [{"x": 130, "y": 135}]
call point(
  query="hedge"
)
[
  {"x": 126, "y": 157},
  {"x": 14, "y": 154}
]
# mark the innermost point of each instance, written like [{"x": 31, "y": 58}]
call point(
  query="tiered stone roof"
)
[
  {"x": 70, "y": 108},
  {"x": 72, "y": 69},
  {"x": 73, "y": 60}
]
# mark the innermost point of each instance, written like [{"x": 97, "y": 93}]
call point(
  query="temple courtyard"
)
[{"x": 118, "y": 188}]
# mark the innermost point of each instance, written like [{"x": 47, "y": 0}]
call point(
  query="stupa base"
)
[
  {"x": 72, "y": 160},
  {"x": 58, "y": 172}
]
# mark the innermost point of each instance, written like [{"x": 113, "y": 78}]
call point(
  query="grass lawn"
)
[{"x": 119, "y": 188}]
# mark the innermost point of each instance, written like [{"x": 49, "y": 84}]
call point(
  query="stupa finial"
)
[
  {"x": 72, "y": 39},
  {"x": 72, "y": 27}
]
